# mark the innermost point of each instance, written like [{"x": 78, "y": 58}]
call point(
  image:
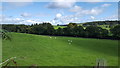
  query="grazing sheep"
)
[
  {"x": 68, "y": 40},
  {"x": 69, "y": 43}
]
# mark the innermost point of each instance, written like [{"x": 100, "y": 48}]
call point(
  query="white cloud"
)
[
  {"x": 112, "y": 17},
  {"x": 67, "y": 19},
  {"x": 71, "y": 18},
  {"x": 61, "y": 4},
  {"x": 76, "y": 9},
  {"x": 106, "y": 5},
  {"x": 53, "y": 22},
  {"x": 80, "y": 10},
  {"x": 11, "y": 20},
  {"x": 57, "y": 19},
  {"x": 92, "y": 17},
  {"x": 7, "y": 20},
  {"x": 25, "y": 14},
  {"x": 93, "y": 11},
  {"x": 28, "y": 22},
  {"x": 28, "y": 15},
  {"x": 58, "y": 15}
]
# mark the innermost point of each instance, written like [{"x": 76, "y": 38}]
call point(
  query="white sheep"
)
[{"x": 69, "y": 43}]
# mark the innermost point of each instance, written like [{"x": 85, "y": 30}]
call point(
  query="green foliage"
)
[
  {"x": 96, "y": 32},
  {"x": 78, "y": 31},
  {"x": 45, "y": 28},
  {"x": 59, "y": 31},
  {"x": 49, "y": 29},
  {"x": 96, "y": 23},
  {"x": 98, "y": 29},
  {"x": 116, "y": 31},
  {"x": 73, "y": 30},
  {"x": 72, "y": 25}
]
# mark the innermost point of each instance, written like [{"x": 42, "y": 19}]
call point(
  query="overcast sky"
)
[{"x": 58, "y": 12}]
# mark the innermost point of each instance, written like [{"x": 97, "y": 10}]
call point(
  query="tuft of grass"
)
[{"x": 56, "y": 51}]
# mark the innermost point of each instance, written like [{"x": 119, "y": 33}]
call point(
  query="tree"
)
[
  {"x": 67, "y": 31},
  {"x": 78, "y": 31},
  {"x": 37, "y": 29},
  {"x": 96, "y": 32},
  {"x": 104, "y": 33},
  {"x": 116, "y": 31},
  {"x": 48, "y": 29},
  {"x": 72, "y": 25},
  {"x": 59, "y": 31}
]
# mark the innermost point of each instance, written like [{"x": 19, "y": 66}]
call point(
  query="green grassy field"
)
[
  {"x": 57, "y": 51},
  {"x": 56, "y": 27},
  {"x": 104, "y": 27}
]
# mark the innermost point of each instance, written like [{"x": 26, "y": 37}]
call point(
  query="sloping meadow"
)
[{"x": 59, "y": 51}]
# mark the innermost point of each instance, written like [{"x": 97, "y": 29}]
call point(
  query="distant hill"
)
[{"x": 95, "y": 23}]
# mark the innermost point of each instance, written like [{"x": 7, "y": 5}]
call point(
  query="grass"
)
[
  {"x": 48, "y": 51},
  {"x": 104, "y": 27},
  {"x": 56, "y": 27}
]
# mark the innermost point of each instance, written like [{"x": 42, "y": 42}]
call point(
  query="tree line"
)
[
  {"x": 95, "y": 23},
  {"x": 72, "y": 29}
]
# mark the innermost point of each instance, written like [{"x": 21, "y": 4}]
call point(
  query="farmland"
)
[{"x": 59, "y": 50}]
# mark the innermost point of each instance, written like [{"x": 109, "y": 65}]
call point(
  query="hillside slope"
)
[{"x": 59, "y": 51}]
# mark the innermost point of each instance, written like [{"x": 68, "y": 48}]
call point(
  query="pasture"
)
[
  {"x": 59, "y": 51},
  {"x": 56, "y": 27}
]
